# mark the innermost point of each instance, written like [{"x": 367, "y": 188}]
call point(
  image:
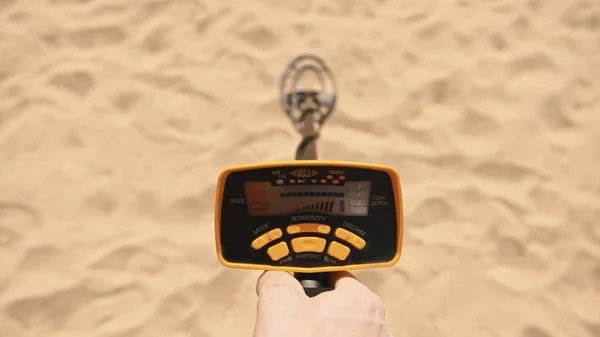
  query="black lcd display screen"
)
[{"x": 265, "y": 198}]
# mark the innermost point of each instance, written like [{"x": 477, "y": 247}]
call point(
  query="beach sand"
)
[{"x": 116, "y": 118}]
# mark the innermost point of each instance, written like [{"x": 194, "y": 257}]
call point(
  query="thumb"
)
[
  {"x": 279, "y": 284},
  {"x": 280, "y": 298}
]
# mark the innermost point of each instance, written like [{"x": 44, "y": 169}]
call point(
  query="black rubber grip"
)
[
  {"x": 312, "y": 292},
  {"x": 314, "y": 283}
]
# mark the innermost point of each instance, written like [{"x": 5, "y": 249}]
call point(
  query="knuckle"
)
[
  {"x": 376, "y": 301},
  {"x": 366, "y": 299},
  {"x": 374, "y": 304}
]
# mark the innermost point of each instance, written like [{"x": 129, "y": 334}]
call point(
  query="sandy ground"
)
[{"x": 117, "y": 116}]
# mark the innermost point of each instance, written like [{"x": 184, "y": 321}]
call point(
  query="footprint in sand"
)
[
  {"x": 69, "y": 85},
  {"x": 77, "y": 82},
  {"x": 133, "y": 258},
  {"x": 534, "y": 331},
  {"x": 17, "y": 221},
  {"x": 83, "y": 305},
  {"x": 97, "y": 37}
]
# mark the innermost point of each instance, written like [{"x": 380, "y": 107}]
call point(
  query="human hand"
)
[{"x": 284, "y": 310}]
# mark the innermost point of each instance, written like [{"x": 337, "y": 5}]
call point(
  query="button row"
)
[
  {"x": 262, "y": 240},
  {"x": 352, "y": 238},
  {"x": 340, "y": 233},
  {"x": 308, "y": 228},
  {"x": 309, "y": 244}
]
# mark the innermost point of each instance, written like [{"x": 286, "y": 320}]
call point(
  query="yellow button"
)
[
  {"x": 262, "y": 240},
  {"x": 308, "y": 244},
  {"x": 338, "y": 250},
  {"x": 259, "y": 242},
  {"x": 278, "y": 251},
  {"x": 342, "y": 234},
  {"x": 353, "y": 239},
  {"x": 275, "y": 234},
  {"x": 323, "y": 229},
  {"x": 308, "y": 228},
  {"x": 358, "y": 242}
]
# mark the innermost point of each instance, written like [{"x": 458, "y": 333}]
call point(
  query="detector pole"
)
[{"x": 309, "y": 108}]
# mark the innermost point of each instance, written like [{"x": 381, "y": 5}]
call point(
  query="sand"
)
[{"x": 117, "y": 116}]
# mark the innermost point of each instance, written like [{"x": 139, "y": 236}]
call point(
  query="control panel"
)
[{"x": 309, "y": 216}]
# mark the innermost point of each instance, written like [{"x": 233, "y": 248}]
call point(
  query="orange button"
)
[
  {"x": 323, "y": 229},
  {"x": 278, "y": 251},
  {"x": 308, "y": 244},
  {"x": 358, "y": 242},
  {"x": 275, "y": 234},
  {"x": 351, "y": 238},
  {"x": 308, "y": 228},
  {"x": 293, "y": 229},
  {"x": 342, "y": 234},
  {"x": 338, "y": 250},
  {"x": 262, "y": 240},
  {"x": 259, "y": 242}
]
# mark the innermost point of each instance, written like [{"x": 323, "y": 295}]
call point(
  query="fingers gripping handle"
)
[{"x": 314, "y": 283}]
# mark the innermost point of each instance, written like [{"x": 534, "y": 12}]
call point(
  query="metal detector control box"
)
[{"x": 309, "y": 216}]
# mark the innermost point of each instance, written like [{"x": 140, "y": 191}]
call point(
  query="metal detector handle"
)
[{"x": 314, "y": 283}]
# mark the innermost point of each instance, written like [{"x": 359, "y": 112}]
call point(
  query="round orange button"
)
[
  {"x": 342, "y": 177},
  {"x": 323, "y": 181}
]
